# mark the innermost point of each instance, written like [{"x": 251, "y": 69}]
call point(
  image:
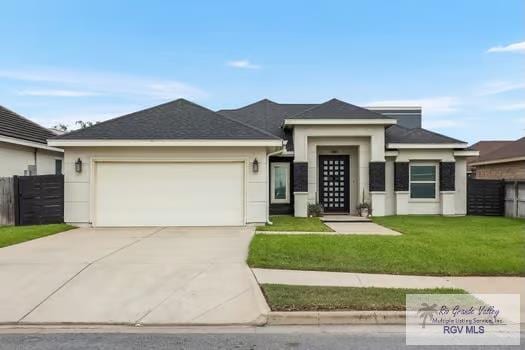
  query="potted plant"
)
[
  {"x": 363, "y": 209},
  {"x": 315, "y": 210}
]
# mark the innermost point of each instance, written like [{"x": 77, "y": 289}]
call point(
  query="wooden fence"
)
[
  {"x": 32, "y": 200},
  {"x": 485, "y": 197},
  {"x": 515, "y": 199},
  {"x": 39, "y": 199},
  {"x": 7, "y": 201}
]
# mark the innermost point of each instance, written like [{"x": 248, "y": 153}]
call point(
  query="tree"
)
[{"x": 80, "y": 123}]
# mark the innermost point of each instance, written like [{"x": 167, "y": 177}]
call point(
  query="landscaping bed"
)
[
  {"x": 10, "y": 235},
  {"x": 313, "y": 298},
  {"x": 430, "y": 245}
]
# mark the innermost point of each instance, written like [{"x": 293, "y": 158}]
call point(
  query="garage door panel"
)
[{"x": 169, "y": 194}]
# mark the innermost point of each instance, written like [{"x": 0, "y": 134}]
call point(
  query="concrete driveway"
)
[{"x": 132, "y": 276}]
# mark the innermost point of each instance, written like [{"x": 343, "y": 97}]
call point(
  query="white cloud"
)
[
  {"x": 511, "y": 107},
  {"x": 105, "y": 83},
  {"x": 57, "y": 93},
  {"x": 499, "y": 87},
  {"x": 243, "y": 64},
  {"x": 430, "y": 105},
  {"x": 516, "y": 47}
]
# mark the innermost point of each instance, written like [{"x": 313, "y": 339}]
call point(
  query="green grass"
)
[
  {"x": 290, "y": 223},
  {"x": 10, "y": 235},
  {"x": 430, "y": 245},
  {"x": 309, "y": 298}
]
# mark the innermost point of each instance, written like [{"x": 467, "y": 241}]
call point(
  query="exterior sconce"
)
[
  {"x": 255, "y": 166},
  {"x": 78, "y": 166}
]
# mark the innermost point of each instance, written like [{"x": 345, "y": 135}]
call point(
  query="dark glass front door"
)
[{"x": 333, "y": 183}]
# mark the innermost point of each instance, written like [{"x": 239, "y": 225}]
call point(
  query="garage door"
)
[{"x": 169, "y": 194}]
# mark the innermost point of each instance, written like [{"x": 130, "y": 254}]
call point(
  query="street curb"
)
[{"x": 336, "y": 317}]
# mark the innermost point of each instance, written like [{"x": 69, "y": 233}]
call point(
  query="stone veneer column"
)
[
  {"x": 376, "y": 186},
  {"x": 447, "y": 187},
  {"x": 300, "y": 189},
  {"x": 401, "y": 187}
]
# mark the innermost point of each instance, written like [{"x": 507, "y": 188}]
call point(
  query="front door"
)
[{"x": 333, "y": 183}]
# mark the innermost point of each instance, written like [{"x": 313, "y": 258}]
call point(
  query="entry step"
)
[{"x": 344, "y": 218}]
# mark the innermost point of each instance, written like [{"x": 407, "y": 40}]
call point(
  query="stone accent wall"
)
[
  {"x": 401, "y": 173},
  {"x": 377, "y": 176},
  {"x": 447, "y": 176},
  {"x": 300, "y": 177},
  {"x": 507, "y": 171}
]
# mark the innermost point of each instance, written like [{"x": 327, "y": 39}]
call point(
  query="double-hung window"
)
[
  {"x": 280, "y": 182},
  {"x": 423, "y": 181}
]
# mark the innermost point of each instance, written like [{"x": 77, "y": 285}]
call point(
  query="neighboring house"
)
[
  {"x": 503, "y": 160},
  {"x": 182, "y": 164},
  {"x": 484, "y": 148},
  {"x": 24, "y": 149}
]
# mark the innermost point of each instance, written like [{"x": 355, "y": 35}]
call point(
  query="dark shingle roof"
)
[
  {"x": 267, "y": 115},
  {"x": 511, "y": 150},
  {"x": 179, "y": 119},
  {"x": 14, "y": 125},
  {"x": 400, "y": 134},
  {"x": 336, "y": 109},
  {"x": 486, "y": 147}
]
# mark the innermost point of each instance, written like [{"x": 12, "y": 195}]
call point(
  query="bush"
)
[{"x": 315, "y": 210}]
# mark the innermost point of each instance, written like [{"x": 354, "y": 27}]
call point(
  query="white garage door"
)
[{"x": 169, "y": 194}]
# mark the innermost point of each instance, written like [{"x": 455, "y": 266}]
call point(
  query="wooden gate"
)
[
  {"x": 485, "y": 197},
  {"x": 39, "y": 199},
  {"x": 7, "y": 201}
]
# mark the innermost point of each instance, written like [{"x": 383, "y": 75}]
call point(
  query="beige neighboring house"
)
[
  {"x": 499, "y": 160},
  {"x": 24, "y": 149},
  {"x": 181, "y": 164}
]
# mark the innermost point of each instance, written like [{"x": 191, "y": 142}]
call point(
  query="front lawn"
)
[
  {"x": 309, "y": 298},
  {"x": 430, "y": 245},
  {"x": 290, "y": 223},
  {"x": 10, "y": 235}
]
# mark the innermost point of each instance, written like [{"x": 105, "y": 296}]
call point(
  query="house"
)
[
  {"x": 484, "y": 147},
  {"x": 24, "y": 149},
  {"x": 502, "y": 160},
  {"x": 182, "y": 164}
]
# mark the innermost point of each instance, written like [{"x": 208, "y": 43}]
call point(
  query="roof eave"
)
[
  {"x": 32, "y": 144},
  {"x": 497, "y": 161},
  {"x": 339, "y": 121},
  {"x": 426, "y": 145},
  {"x": 166, "y": 143}
]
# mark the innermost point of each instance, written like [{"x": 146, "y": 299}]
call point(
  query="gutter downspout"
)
[{"x": 282, "y": 150}]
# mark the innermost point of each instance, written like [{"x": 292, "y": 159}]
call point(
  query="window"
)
[
  {"x": 280, "y": 183},
  {"x": 58, "y": 166},
  {"x": 423, "y": 181}
]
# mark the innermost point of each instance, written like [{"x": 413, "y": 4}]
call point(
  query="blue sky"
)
[{"x": 463, "y": 61}]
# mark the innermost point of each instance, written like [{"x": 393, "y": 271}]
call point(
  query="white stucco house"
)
[
  {"x": 24, "y": 149},
  {"x": 180, "y": 164}
]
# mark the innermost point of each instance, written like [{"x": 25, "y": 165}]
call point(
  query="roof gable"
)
[
  {"x": 16, "y": 126},
  {"x": 336, "y": 109},
  {"x": 400, "y": 134},
  {"x": 179, "y": 119}
]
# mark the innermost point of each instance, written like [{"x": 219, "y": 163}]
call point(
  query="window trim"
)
[
  {"x": 436, "y": 182},
  {"x": 273, "y": 166},
  {"x": 61, "y": 166}
]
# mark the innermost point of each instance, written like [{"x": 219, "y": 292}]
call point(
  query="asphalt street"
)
[{"x": 326, "y": 338}]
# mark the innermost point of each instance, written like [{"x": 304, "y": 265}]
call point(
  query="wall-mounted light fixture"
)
[
  {"x": 255, "y": 166},
  {"x": 78, "y": 166}
]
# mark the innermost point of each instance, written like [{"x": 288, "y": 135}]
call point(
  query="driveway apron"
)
[{"x": 132, "y": 276}]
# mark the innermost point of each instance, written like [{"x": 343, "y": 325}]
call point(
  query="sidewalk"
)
[{"x": 477, "y": 285}]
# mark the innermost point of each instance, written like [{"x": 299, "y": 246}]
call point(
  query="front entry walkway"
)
[{"x": 132, "y": 276}]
